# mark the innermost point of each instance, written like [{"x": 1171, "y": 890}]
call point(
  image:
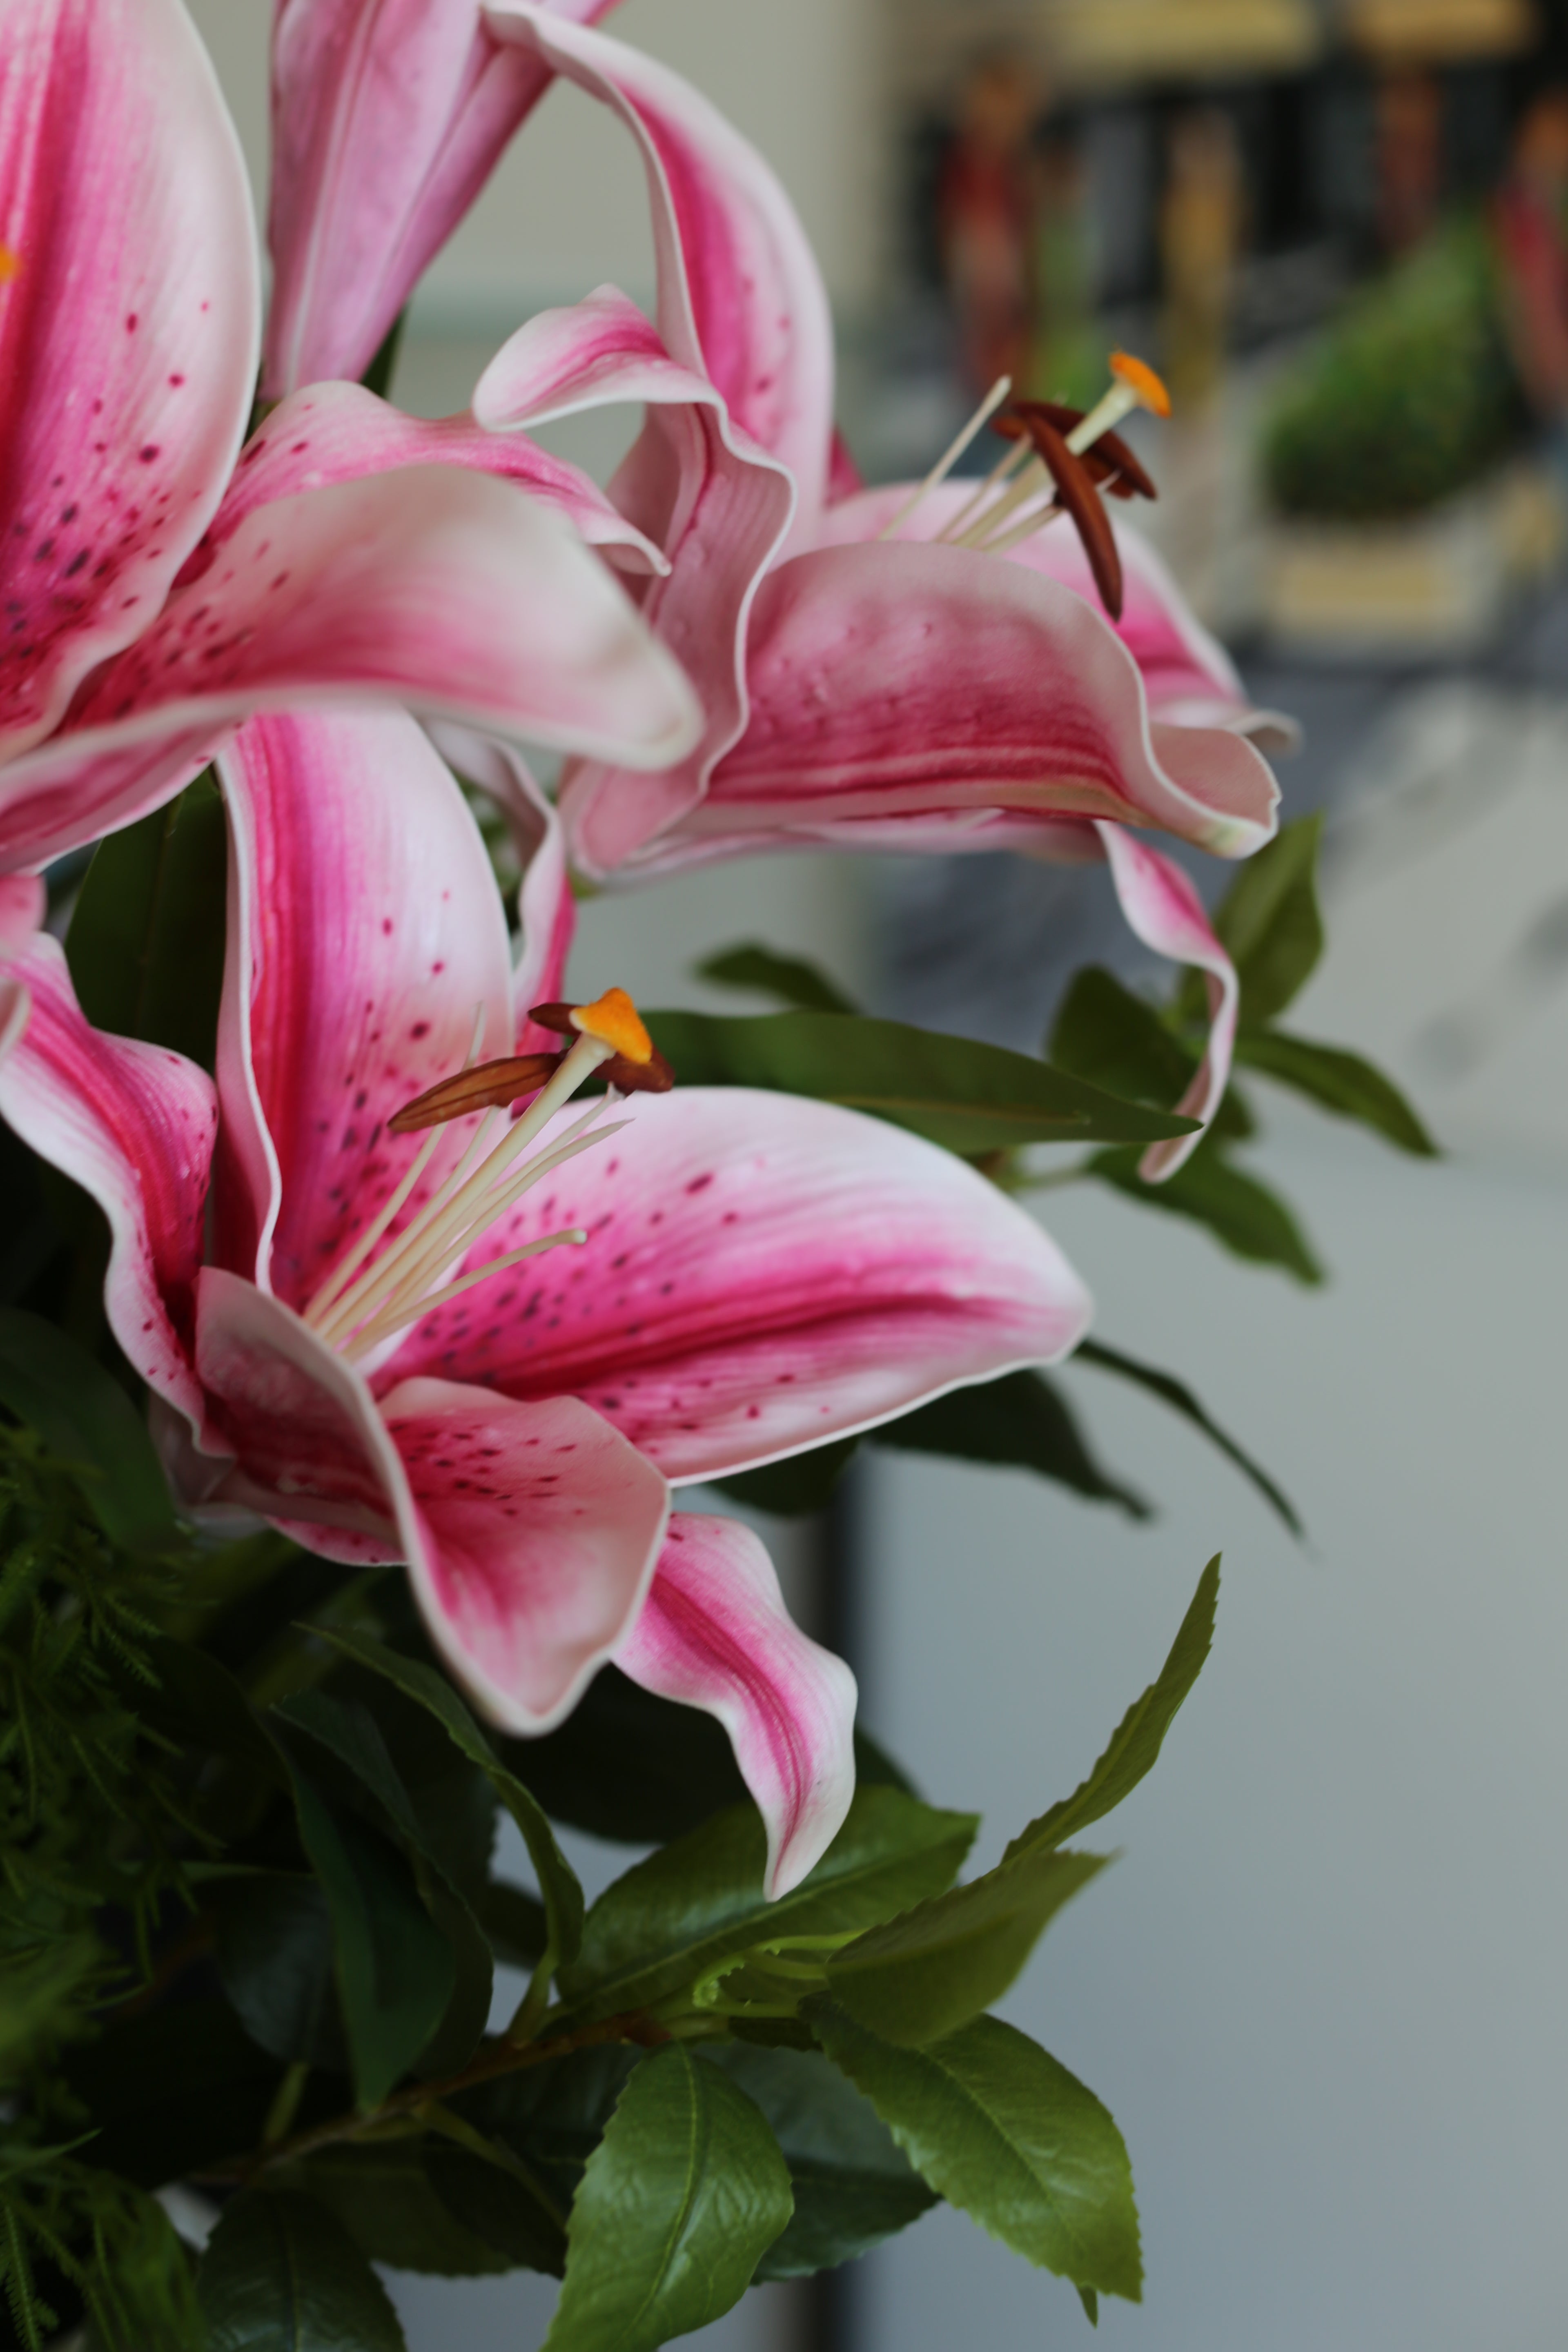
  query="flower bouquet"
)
[{"x": 369, "y": 1300}]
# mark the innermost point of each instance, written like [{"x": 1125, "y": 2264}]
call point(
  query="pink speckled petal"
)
[
  {"x": 1166, "y": 913},
  {"x": 740, "y": 296},
  {"x": 365, "y": 934},
  {"x": 341, "y": 432},
  {"x": 541, "y": 1530},
  {"x": 23, "y": 902},
  {"x": 1187, "y": 674},
  {"x": 388, "y": 117},
  {"x": 714, "y": 1633},
  {"x": 440, "y": 590},
  {"x": 901, "y": 681},
  {"x": 761, "y": 1274},
  {"x": 133, "y": 1126},
  {"x": 129, "y": 316}
]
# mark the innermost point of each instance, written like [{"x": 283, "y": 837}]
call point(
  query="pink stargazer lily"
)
[
  {"x": 866, "y": 683},
  {"x": 357, "y": 1334},
  {"x": 156, "y": 593}
]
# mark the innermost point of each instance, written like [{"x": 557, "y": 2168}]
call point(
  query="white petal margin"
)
[
  {"x": 714, "y": 1633},
  {"x": 1166, "y": 912}
]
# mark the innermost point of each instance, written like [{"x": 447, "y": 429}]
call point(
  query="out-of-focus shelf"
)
[{"x": 1106, "y": 41}]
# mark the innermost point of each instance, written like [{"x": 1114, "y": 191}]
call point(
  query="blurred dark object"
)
[
  {"x": 1200, "y": 243},
  {"x": 1409, "y": 115},
  {"x": 1530, "y": 221},
  {"x": 987, "y": 205}
]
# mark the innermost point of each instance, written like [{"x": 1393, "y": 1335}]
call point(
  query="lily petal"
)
[
  {"x": 388, "y": 117},
  {"x": 1187, "y": 674},
  {"x": 763, "y": 1274},
  {"x": 1166, "y": 912},
  {"x": 129, "y": 318},
  {"x": 133, "y": 1125},
  {"x": 908, "y": 681},
  {"x": 439, "y": 589},
  {"x": 741, "y": 300},
  {"x": 547, "y": 912},
  {"x": 716, "y": 504},
  {"x": 365, "y": 935},
  {"x": 23, "y": 902},
  {"x": 341, "y": 432},
  {"x": 714, "y": 1633}
]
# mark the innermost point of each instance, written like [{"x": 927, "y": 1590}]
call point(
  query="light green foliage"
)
[{"x": 680, "y": 2199}]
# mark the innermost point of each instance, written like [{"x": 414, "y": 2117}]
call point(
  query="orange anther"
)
[
  {"x": 614, "y": 1020},
  {"x": 10, "y": 265},
  {"x": 1140, "y": 377}
]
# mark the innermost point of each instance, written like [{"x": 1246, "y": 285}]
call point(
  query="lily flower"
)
[
  {"x": 491, "y": 1346},
  {"x": 156, "y": 592},
  {"x": 925, "y": 667}
]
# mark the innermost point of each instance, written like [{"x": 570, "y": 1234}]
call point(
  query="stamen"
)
[
  {"x": 387, "y": 1323},
  {"x": 1030, "y": 482},
  {"x": 614, "y": 1020},
  {"x": 1008, "y": 463},
  {"x": 1136, "y": 387},
  {"x": 490, "y": 1085},
  {"x": 1036, "y": 520},
  {"x": 951, "y": 454}
]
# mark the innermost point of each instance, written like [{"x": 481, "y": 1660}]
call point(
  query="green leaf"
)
[
  {"x": 1243, "y": 1214},
  {"x": 1008, "y": 2135},
  {"x": 1269, "y": 921},
  {"x": 395, "y": 1969},
  {"x": 279, "y": 2274},
  {"x": 275, "y": 1959},
  {"x": 1136, "y": 1742},
  {"x": 789, "y": 978},
  {"x": 670, "y": 1919},
  {"x": 1180, "y": 1397},
  {"x": 853, "y": 2184},
  {"x": 86, "y": 1419},
  {"x": 557, "y": 1881},
  {"x": 516, "y": 1924},
  {"x": 553, "y": 2116},
  {"x": 492, "y": 2200},
  {"x": 679, "y": 2201},
  {"x": 380, "y": 2193},
  {"x": 968, "y": 1097},
  {"x": 929, "y": 1972},
  {"x": 351, "y": 1733},
  {"x": 796, "y": 1489},
  {"x": 1115, "y": 1039},
  {"x": 626, "y": 1766},
  {"x": 1337, "y": 1081},
  {"x": 146, "y": 940},
  {"x": 1090, "y": 2302},
  {"x": 1022, "y": 1419}
]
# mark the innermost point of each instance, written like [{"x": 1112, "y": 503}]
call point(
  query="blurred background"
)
[{"x": 1321, "y": 1992}]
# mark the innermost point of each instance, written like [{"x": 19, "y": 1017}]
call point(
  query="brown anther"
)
[
  {"x": 1110, "y": 463},
  {"x": 489, "y": 1086},
  {"x": 653, "y": 1077},
  {"x": 1077, "y": 493}
]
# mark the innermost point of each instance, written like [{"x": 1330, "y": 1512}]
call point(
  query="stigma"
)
[{"x": 384, "y": 1283}]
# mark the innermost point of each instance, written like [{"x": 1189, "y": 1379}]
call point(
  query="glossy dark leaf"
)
[
  {"x": 275, "y": 1957},
  {"x": 1136, "y": 1742},
  {"x": 680, "y": 2199},
  {"x": 395, "y": 1969},
  {"x": 381, "y": 2193},
  {"x": 853, "y": 2184},
  {"x": 146, "y": 940},
  {"x": 1337, "y": 1081},
  {"x": 1180, "y": 1397},
  {"x": 789, "y": 978},
  {"x": 1008, "y": 2135},
  {"x": 970, "y": 1097},
  {"x": 515, "y": 1922},
  {"x": 626, "y": 1766},
  {"x": 1238, "y": 1210},
  {"x": 1022, "y": 1419},
  {"x": 1269, "y": 923},
  {"x": 558, "y": 1883},
  {"x": 553, "y": 2117},
  {"x": 281, "y": 2275},
  {"x": 85, "y": 1418},
  {"x": 923, "y": 1975},
  {"x": 497, "y": 2205},
  {"x": 671, "y": 1918}
]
